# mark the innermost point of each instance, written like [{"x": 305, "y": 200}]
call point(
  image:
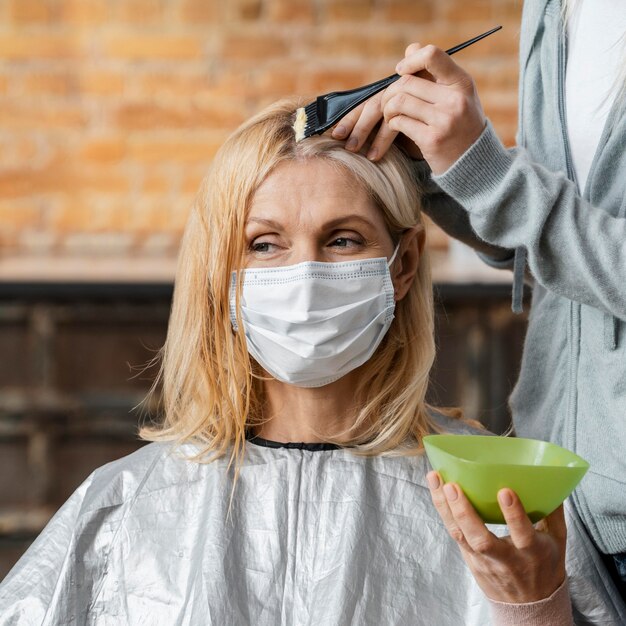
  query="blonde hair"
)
[{"x": 212, "y": 394}]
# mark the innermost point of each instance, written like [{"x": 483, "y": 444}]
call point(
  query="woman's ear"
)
[{"x": 404, "y": 268}]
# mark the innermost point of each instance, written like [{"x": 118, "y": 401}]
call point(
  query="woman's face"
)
[{"x": 313, "y": 211}]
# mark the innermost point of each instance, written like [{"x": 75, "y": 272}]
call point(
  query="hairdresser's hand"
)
[
  {"x": 357, "y": 126},
  {"x": 527, "y": 566},
  {"x": 442, "y": 115},
  {"x": 434, "y": 114}
]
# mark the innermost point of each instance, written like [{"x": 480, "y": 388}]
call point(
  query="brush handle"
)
[
  {"x": 469, "y": 42},
  {"x": 333, "y": 106}
]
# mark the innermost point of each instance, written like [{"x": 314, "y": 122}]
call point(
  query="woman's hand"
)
[
  {"x": 434, "y": 105},
  {"x": 527, "y": 566}
]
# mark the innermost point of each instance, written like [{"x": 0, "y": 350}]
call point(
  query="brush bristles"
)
[
  {"x": 306, "y": 123},
  {"x": 299, "y": 125},
  {"x": 312, "y": 122}
]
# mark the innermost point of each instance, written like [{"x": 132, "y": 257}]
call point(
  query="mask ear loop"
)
[
  {"x": 394, "y": 255},
  {"x": 390, "y": 263}
]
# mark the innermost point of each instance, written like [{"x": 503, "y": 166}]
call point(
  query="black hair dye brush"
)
[{"x": 325, "y": 111}]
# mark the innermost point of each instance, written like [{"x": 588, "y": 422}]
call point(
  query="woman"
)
[
  {"x": 559, "y": 200},
  {"x": 294, "y": 390}
]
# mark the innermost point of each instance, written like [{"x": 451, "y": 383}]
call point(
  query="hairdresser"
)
[{"x": 554, "y": 209}]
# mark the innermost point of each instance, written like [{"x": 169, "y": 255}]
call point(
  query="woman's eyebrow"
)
[
  {"x": 266, "y": 222},
  {"x": 348, "y": 218},
  {"x": 327, "y": 225}
]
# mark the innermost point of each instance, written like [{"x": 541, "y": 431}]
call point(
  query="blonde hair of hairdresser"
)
[{"x": 212, "y": 390}]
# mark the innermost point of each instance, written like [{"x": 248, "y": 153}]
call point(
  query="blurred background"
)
[{"x": 110, "y": 114}]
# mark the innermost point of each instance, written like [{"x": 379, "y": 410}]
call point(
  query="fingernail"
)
[
  {"x": 339, "y": 132},
  {"x": 352, "y": 143},
  {"x": 505, "y": 498},
  {"x": 433, "y": 481},
  {"x": 450, "y": 492},
  {"x": 372, "y": 154},
  {"x": 399, "y": 67}
]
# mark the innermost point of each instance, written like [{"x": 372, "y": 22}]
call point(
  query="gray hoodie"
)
[{"x": 572, "y": 384}]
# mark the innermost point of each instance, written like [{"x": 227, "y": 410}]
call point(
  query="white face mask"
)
[{"x": 312, "y": 323}]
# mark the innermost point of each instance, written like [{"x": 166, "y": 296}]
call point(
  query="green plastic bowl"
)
[{"x": 542, "y": 474}]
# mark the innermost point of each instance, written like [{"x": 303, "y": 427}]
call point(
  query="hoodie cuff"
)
[
  {"x": 555, "y": 610},
  {"x": 478, "y": 173},
  {"x": 503, "y": 263}
]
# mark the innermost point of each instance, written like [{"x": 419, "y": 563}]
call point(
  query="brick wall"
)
[{"x": 111, "y": 110}]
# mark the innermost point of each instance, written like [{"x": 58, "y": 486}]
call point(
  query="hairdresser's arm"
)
[
  {"x": 522, "y": 575},
  {"x": 444, "y": 210},
  {"x": 575, "y": 249},
  {"x": 449, "y": 215}
]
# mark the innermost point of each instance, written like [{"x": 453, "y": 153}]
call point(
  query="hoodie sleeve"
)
[
  {"x": 454, "y": 220},
  {"x": 574, "y": 249}
]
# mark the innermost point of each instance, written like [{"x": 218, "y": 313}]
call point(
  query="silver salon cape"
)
[{"x": 315, "y": 537}]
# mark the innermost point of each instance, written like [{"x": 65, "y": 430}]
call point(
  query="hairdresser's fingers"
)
[
  {"x": 477, "y": 535},
  {"x": 412, "y": 48},
  {"x": 417, "y": 131},
  {"x": 370, "y": 116},
  {"x": 521, "y": 529},
  {"x": 381, "y": 143},
  {"x": 416, "y": 86},
  {"x": 415, "y": 108},
  {"x": 358, "y": 124},
  {"x": 435, "y": 485},
  {"x": 437, "y": 63},
  {"x": 347, "y": 122},
  {"x": 455, "y": 120}
]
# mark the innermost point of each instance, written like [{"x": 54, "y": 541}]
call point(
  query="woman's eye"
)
[
  {"x": 345, "y": 242},
  {"x": 261, "y": 246}
]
